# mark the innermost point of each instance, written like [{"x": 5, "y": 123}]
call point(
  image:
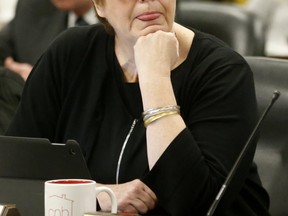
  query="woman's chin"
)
[{"x": 152, "y": 29}]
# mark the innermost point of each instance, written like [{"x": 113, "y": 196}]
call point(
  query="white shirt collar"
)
[{"x": 90, "y": 17}]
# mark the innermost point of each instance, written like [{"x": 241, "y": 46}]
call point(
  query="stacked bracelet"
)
[{"x": 153, "y": 114}]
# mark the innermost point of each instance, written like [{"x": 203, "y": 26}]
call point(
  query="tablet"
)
[
  {"x": 38, "y": 158},
  {"x": 26, "y": 163}
]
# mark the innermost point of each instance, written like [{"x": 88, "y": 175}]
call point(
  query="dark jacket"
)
[{"x": 11, "y": 86}]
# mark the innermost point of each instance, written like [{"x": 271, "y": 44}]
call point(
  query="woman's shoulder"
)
[
  {"x": 80, "y": 37},
  {"x": 209, "y": 57},
  {"x": 207, "y": 46},
  {"x": 74, "y": 47},
  {"x": 85, "y": 31}
]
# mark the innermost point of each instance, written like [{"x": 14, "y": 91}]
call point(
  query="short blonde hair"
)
[{"x": 103, "y": 20}]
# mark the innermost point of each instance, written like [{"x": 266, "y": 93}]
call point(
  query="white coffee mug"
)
[{"x": 74, "y": 197}]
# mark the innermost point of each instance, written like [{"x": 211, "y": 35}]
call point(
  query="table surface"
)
[{"x": 28, "y": 195}]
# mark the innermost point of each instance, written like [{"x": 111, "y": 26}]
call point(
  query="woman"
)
[{"x": 120, "y": 95}]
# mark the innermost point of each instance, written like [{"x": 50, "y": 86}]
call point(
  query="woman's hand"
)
[
  {"x": 156, "y": 54},
  {"x": 133, "y": 196}
]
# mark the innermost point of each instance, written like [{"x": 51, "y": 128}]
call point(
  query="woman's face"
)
[{"x": 135, "y": 18}]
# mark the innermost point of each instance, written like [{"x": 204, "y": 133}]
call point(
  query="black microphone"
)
[{"x": 221, "y": 192}]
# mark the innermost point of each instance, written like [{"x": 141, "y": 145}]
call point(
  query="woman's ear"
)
[{"x": 99, "y": 9}]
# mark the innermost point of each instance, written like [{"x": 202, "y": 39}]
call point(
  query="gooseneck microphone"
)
[{"x": 221, "y": 192}]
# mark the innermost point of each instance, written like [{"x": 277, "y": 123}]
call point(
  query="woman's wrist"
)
[{"x": 157, "y": 92}]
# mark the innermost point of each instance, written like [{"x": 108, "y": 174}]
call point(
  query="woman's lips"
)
[{"x": 148, "y": 16}]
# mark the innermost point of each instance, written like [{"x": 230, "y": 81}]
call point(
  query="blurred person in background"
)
[
  {"x": 26, "y": 37},
  {"x": 35, "y": 25},
  {"x": 11, "y": 85}
]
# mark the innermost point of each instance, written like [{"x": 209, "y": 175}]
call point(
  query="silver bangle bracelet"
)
[{"x": 156, "y": 111}]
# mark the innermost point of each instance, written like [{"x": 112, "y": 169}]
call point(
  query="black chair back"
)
[
  {"x": 239, "y": 28},
  {"x": 272, "y": 150}
]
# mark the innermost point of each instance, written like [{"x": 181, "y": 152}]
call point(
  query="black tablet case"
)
[{"x": 26, "y": 163}]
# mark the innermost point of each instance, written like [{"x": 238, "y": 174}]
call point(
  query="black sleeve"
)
[{"x": 220, "y": 111}]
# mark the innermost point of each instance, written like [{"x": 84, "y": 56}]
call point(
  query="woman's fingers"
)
[{"x": 134, "y": 197}]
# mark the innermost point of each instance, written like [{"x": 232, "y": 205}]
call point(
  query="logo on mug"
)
[{"x": 62, "y": 206}]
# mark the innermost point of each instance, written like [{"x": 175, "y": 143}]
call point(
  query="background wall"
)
[{"x": 7, "y": 8}]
